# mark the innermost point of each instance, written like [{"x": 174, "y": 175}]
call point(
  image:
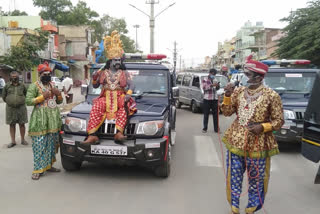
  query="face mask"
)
[
  {"x": 45, "y": 79},
  {"x": 244, "y": 82},
  {"x": 211, "y": 76},
  {"x": 14, "y": 80}
]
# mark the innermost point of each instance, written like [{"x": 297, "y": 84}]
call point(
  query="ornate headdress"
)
[
  {"x": 113, "y": 46},
  {"x": 44, "y": 67},
  {"x": 256, "y": 66}
]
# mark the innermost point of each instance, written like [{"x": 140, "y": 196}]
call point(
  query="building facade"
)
[{"x": 245, "y": 40}]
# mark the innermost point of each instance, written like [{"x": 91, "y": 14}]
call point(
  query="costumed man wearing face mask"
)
[
  {"x": 250, "y": 142},
  {"x": 210, "y": 87},
  {"x": 114, "y": 102},
  {"x": 14, "y": 95},
  {"x": 45, "y": 122}
]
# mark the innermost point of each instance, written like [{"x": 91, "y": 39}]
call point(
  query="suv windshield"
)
[
  {"x": 290, "y": 82},
  {"x": 147, "y": 82},
  {"x": 222, "y": 79}
]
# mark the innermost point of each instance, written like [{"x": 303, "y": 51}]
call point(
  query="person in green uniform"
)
[
  {"x": 14, "y": 95},
  {"x": 45, "y": 122}
]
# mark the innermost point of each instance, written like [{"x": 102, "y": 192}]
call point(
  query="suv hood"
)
[
  {"x": 292, "y": 100},
  {"x": 144, "y": 109}
]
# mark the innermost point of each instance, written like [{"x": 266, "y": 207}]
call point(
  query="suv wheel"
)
[
  {"x": 194, "y": 107},
  {"x": 69, "y": 165},
  {"x": 178, "y": 104},
  {"x": 164, "y": 169}
]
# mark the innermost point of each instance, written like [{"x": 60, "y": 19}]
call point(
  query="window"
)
[
  {"x": 186, "y": 80},
  {"x": 196, "y": 82},
  {"x": 179, "y": 79}
]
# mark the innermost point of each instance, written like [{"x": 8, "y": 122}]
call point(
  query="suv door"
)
[
  {"x": 195, "y": 90},
  {"x": 184, "y": 96}
]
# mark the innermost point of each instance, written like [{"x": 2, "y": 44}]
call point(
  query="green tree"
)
[
  {"x": 107, "y": 24},
  {"x": 53, "y": 10},
  {"x": 81, "y": 14},
  {"x": 16, "y": 13},
  {"x": 25, "y": 55},
  {"x": 64, "y": 13},
  {"x": 302, "y": 40}
]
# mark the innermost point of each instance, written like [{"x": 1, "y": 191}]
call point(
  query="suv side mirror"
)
[
  {"x": 175, "y": 92},
  {"x": 84, "y": 89}
]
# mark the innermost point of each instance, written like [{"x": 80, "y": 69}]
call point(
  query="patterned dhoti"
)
[
  {"x": 110, "y": 106},
  {"x": 44, "y": 149},
  {"x": 259, "y": 173}
]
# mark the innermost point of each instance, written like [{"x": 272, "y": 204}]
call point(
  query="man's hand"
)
[
  {"x": 127, "y": 97},
  {"x": 255, "y": 129},
  {"x": 46, "y": 94},
  {"x": 228, "y": 90},
  {"x": 55, "y": 91},
  {"x": 214, "y": 84}
]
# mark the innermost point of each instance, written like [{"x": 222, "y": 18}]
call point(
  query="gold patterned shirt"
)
[{"x": 264, "y": 106}]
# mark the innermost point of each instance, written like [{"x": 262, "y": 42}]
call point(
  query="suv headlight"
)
[
  {"x": 76, "y": 124},
  {"x": 288, "y": 115},
  {"x": 150, "y": 127}
]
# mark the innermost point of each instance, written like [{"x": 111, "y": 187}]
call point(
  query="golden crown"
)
[{"x": 113, "y": 46}]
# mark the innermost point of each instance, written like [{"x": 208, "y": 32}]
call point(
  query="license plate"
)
[
  {"x": 300, "y": 125},
  {"x": 109, "y": 150}
]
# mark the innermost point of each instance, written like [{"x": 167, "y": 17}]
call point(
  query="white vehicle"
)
[{"x": 57, "y": 83}]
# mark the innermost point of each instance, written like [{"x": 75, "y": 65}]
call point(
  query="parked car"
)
[
  {"x": 294, "y": 85},
  {"x": 150, "y": 131},
  {"x": 311, "y": 135},
  {"x": 191, "y": 92},
  {"x": 57, "y": 83}
]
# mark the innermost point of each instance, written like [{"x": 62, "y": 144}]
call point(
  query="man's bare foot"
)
[
  {"x": 24, "y": 142},
  {"x": 35, "y": 176},
  {"x": 119, "y": 137},
  {"x": 90, "y": 140},
  {"x": 12, "y": 144}
]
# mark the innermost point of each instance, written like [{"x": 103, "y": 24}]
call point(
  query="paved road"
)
[{"x": 196, "y": 185}]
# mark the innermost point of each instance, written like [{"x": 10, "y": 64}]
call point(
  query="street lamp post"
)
[
  {"x": 152, "y": 19},
  {"x": 136, "y": 27}
]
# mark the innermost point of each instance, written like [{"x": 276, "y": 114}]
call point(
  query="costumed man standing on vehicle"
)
[
  {"x": 250, "y": 142},
  {"x": 114, "y": 102}
]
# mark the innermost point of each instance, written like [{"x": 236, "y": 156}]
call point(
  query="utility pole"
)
[
  {"x": 136, "y": 26},
  {"x": 174, "y": 57},
  {"x": 180, "y": 64},
  {"x": 152, "y": 19},
  {"x": 152, "y": 23}
]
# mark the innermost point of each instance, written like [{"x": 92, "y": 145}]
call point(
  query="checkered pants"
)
[{"x": 259, "y": 172}]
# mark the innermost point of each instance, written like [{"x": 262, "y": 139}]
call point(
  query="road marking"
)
[{"x": 206, "y": 153}]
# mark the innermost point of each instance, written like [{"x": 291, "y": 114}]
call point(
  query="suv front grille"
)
[
  {"x": 111, "y": 129},
  {"x": 299, "y": 115}
]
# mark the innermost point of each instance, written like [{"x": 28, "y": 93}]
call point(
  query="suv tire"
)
[
  {"x": 164, "y": 169},
  {"x": 69, "y": 165},
  {"x": 194, "y": 107}
]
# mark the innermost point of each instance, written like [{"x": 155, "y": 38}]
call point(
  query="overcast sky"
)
[{"x": 197, "y": 26}]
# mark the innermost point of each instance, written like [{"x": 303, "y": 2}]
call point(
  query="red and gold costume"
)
[{"x": 111, "y": 103}]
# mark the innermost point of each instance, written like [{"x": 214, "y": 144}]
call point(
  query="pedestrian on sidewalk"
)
[
  {"x": 250, "y": 142},
  {"x": 14, "y": 95},
  {"x": 45, "y": 122},
  {"x": 67, "y": 89},
  {"x": 210, "y": 87}
]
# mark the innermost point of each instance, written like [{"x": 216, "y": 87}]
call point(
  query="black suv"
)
[
  {"x": 294, "y": 84},
  {"x": 150, "y": 131},
  {"x": 311, "y": 135}
]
